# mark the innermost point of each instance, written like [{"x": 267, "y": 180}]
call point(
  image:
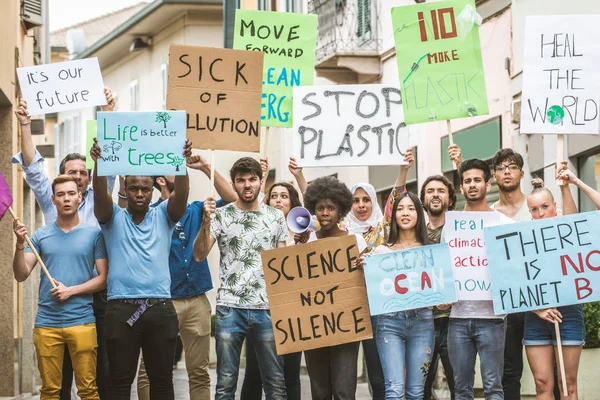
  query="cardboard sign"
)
[
  {"x": 288, "y": 41},
  {"x": 141, "y": 143},
  {"x": 439, "y": 61},
  {"x": 545, "y": 263},
  {"x": 409, "y": 279},
  {"x": 463, "y": 233},
  {"x": 317, "y": 295},
  {"x": 221, "y": 91},
  {"x": 70, "y": 85},
  {"x": 349, "y": 125},
  {"x": 90, "y": 134},
  {"x": 561, "y": 76}
]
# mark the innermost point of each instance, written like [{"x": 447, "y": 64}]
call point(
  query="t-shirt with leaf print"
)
[{"x": 242, "y": 236}]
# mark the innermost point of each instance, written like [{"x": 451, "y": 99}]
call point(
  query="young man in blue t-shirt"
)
[
  {"x": 65, "y": 317},
  {"x": 140, "y": 314}
]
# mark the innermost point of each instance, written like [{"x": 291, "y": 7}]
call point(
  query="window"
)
[
  {"x": 165, "y": 79},
  {"x": 263, "y": 5},
  {"x": 289, "y": 6},
  {"x": 134, "y": 95},
  {"x": 363, "y": 14}
]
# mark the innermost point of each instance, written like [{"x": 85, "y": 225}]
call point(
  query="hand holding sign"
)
[
  {"x": 210, "y": 206},
  {"x": 22, "y": 113},
  {"x": 110, "y": 100}
]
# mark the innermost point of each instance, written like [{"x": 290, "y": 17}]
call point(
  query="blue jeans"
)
[
  {"x": 374, "y": 370},
  {"x": 233, "y": 325},
  {"x": 405, "y": 340},
  {"x": 466, "y": 338}
]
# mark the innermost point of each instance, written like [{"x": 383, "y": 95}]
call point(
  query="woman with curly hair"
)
[
  {"x": 405, "y": 339},
  {"x": 332, "y": 370}
]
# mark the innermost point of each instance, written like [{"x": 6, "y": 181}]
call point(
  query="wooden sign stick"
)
[
  {"x": 39, "y": 259},
  {"x": 560, "y": 153},
  {"x": 266, "y": 148},
  {"x": 450, "y": 139},
  {"x": 212, "y": 173},
  {"x": 561, "y": 362}
]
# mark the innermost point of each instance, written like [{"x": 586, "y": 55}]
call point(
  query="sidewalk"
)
[{"x": 181, "y": 386}]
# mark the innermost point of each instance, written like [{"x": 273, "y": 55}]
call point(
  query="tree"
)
[
  {"x": 113, "y": 145},
  {"x": 163, "y": 117},
  {"x": 177, "y": 161}
]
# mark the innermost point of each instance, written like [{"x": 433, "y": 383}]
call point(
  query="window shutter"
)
[
  {"x": 360, "y": 15},
  {"x": 31, "y": 12},
  {"x": 229, "y": 21},
  {"x": 367, "y": 16}
]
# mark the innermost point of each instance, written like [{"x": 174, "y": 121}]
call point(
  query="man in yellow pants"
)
[{"x": 65, "y": 317}]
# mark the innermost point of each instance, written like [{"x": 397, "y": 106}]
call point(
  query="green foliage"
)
[
  {"x": 163, "y": 117},
  {"x": 591, "y": 313}
]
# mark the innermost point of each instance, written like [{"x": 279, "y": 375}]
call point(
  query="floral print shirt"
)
[{"x": 242, "y": 236}]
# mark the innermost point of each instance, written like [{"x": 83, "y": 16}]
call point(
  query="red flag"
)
[{"x": 5, "y": 196}]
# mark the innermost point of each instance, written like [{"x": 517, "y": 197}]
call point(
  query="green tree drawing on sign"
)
[
  {"x": 163, "y": 117},
  {"x": 177, "y": 161}
]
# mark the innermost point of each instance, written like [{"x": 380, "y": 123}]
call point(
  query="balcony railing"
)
[{"x": 346, "y": 27}]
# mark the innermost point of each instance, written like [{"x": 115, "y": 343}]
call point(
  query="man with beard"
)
[
  {"x": 243, "y": 230},
  {"x": 473, "y": 327},
  {"x": 438, "y": 196},
  {"x": 508, "y": 171},
  {"x": 140, "y": 314}
]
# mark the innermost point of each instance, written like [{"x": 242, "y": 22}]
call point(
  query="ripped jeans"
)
[{"x": 405, "y": 339}]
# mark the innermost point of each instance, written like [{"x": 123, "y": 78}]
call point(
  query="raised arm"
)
[
  {"x": 204, "y": 240},
  {"x": 568, "y": 177},
  {"x": 264, "y": 167},
  {"x": 23, "y": 263},
  {"x": 455, "y": 154},
  {"x": 178, "y": 198},
  {"x": 298, "y": 174},
  {"x": 399, "y": 185},
  {"x": 110, "y": 100},
  {"x": 223, "y": 187},
  {"x": 27, "y": 146},
  {"x": 103, "y": 204}
]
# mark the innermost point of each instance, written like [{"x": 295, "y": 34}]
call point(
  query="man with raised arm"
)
[
  {"x": 69, "y": 249},
  {"x": 140, "y": 314},
  {"x": 190, "y": 280},
  {"x": 243, "y": 230},
  {"x": 73, "y": 164}
]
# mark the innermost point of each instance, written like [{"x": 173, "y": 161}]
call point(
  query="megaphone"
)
[{"x": 299, "y": 220}]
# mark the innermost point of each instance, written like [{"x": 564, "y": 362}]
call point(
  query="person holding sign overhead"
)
[
  {"x": 243, "y": 230},
  {"x": 140, "y": 314},
  {"x": 190, "y": 280},
  {"x": 36, "y": 177},
  {"x": 539, "y": 336},
  {"x": 474, "y": 328},
  {"x": 282, "y": 196},
  {"x": 332, "y": 370},
  {"x": 70, "y": 249},
  {"x": 405, "y": 339}
]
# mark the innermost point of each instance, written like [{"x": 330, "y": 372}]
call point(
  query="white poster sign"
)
[
  {"x": 70, "y": 85},
  {"x": 346, "y": 125},
  {"x": 561, "y": 75},
  {"x": 464, "y": 234}
]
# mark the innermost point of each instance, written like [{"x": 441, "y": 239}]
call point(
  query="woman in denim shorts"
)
[{"x": 540, "y": 336}]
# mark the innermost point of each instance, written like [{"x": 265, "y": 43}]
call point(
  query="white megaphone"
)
[{"x": 299, "y": 220}]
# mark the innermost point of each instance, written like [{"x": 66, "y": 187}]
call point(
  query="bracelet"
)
[
  {"x": 122, "y": 196},
  {"x": 26, "y": 123},
  {"x": 20, "y": 248}
]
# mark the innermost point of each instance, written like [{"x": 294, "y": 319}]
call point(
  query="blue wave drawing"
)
[{"x": 415, "y": 300}]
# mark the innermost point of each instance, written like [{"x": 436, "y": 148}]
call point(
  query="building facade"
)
[{"x": 23, "y": 28}]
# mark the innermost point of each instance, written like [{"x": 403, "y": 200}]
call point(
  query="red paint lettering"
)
[
  {"x": 581, "y": 287},
  {"x": 400, "y": 289}
]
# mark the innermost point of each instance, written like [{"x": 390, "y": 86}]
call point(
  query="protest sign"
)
[
  {"x": 463, "y": 232},
  {"x": 545, "y": 263},
  {"x": 439, "y": 61},
  {"x": 90, "y": 134},
  {"x": 288, "y": 41},
  {"x": 141, "y": 143},
  {"x": 70, "y": 85},
  {"x": 409, "y": 279},
  {"x": 317, "y": 294},
  {"x": 561, "y": 77},
  {"x": 220, "y": 89},
  {"x": 349, "y": 125}
]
